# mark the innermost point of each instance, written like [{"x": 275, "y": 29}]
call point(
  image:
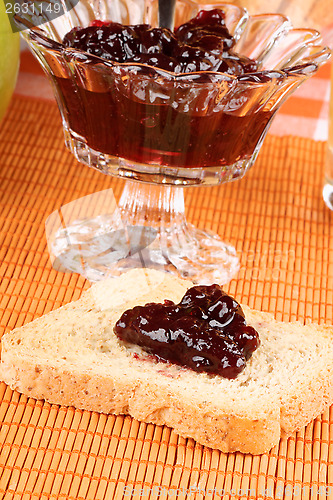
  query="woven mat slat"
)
[{"x": 276, "y": 219}]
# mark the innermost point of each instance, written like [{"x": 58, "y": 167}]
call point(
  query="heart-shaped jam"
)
[{"x": 206, "y": 331}]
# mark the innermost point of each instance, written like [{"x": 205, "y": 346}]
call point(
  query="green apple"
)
[{"x": 9, "y": 60}]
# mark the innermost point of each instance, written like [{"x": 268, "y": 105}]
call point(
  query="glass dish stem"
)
[{"x": 168, "y": 241}]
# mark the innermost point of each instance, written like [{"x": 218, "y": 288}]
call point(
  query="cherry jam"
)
[
  {"x": 206, "y": 331},
  {"x": 178, "y": 117},
  {"x": 202, "y": 44}
]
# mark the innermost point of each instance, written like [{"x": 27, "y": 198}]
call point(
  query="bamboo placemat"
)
[{"x": 276, "y": 219}]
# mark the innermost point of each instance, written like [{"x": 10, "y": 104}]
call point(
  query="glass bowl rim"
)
[{"x": 303, "y": 68}]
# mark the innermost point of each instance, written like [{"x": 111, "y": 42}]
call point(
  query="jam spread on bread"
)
[
  {"x": 206, "y": 331},
  {"x": 202, "y": 44}
]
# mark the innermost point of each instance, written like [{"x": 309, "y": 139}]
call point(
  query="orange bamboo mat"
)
[{"x": 276, "y": 219}]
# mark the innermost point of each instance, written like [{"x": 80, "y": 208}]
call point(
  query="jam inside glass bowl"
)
[
  {"x": 168, "y": 119},
  {"x": 160, "y": 118}
]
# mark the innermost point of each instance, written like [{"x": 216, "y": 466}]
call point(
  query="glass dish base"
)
[
  {"x": 205, "y": 259},
  {"x": 136, "y": 233}
]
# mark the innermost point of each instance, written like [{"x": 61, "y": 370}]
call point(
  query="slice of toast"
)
[{"x": 71, "y": 356}]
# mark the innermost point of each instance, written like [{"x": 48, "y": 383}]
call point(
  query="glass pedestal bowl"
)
[{"x": 164, "y": 131}]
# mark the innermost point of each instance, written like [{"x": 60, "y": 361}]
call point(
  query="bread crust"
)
[{"x": 147, "y": 402}]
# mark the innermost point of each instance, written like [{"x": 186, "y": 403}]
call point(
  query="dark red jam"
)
[
  {"x": 178, "y": 118},
  {"x": 202, "y": 44},
  {"x": 206, "y": 331}
]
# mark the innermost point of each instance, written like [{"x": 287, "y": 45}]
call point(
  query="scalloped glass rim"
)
[{"x": 304, "y": 59}]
